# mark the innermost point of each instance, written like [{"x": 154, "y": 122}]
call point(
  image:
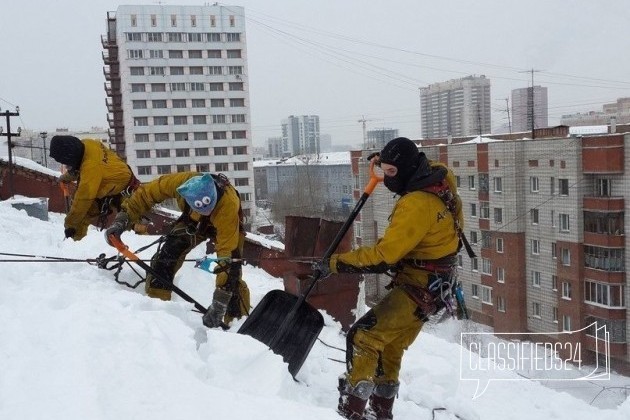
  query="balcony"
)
[
  {"x": 603, "y": 203},
  {"x": 603, "y": 154}
]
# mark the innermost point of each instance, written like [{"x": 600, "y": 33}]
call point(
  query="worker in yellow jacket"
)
[
  {"x": 420, "y": 243},
  {"x": 102, "y": 176},
  {"x": 211, "y": 209}
]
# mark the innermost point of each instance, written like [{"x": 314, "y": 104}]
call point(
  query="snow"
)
[
  {"x": 331, "y": 158},
  {"x": 76, "y": 345},
  {"x": 29, "y": 164},
  {"x": 588, "y": 129}
]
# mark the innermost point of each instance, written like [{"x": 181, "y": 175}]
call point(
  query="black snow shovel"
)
[{"x": 287, "y": 323}]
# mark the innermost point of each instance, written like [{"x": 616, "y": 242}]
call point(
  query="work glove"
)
[
  {"x": 69, "y": 232},
  {"x": 323, "y": 267},
  {"x": 216, "y": 311},
  {"x": 69, "y": 176},
  {"x": 118, "y": 227}
]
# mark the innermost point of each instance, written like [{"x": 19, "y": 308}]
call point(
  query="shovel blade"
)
[{"x": 304, "y": 326}]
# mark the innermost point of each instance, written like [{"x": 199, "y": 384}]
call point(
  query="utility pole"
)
[
  {"x": 363, "y": 121},
  {"x": 8, "y": 135},
  {"x": 507, "y": 108},
  {"x": 43, "y": 135},
  {"x": 531, "y": 101}
]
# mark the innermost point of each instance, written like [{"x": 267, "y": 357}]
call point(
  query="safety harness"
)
[{"x": 110, "y": 202}]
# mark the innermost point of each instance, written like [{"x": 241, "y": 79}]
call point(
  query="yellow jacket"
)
[
  {"x": 421, "y": 227},
  {"x": 102, "y": 173},
  {"x": 225, "y": 216}
]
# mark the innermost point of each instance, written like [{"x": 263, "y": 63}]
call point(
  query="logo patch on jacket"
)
[{"x": 441, "y": 215}]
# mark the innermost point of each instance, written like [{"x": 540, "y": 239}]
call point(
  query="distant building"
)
[
  {"x": 274, "y": 147},
  {"x": 459, "y": 107},
  {"x": 619, "y": 110},
  {"x": 178, "y": 91},
  {"x": 325, "y": 143},
  {"x": 522, "y": 108},
  {"x": 300, "y": 135},
  {"x": 378, "y": 138}
]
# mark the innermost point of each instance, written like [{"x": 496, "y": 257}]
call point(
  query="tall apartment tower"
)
[
  {"x": 528, "y": 102},
  {"x": 178, "y": 93},
  {"x": 300, "y": 135},
  {"x": 459, "y": 107},
  {"x": 379, "y": 137}
]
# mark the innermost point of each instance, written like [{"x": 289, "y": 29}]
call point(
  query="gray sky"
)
[{"x": 339, "y": 59}]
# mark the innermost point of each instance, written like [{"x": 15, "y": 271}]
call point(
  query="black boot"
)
[
  {"x": 353, "y": 399},
  {"x": 382, "y": 400}
]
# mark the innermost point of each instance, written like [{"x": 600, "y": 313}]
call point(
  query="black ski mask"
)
[
  {"x": 67, "y": 150},
  {"x": 403, "y": 154}
]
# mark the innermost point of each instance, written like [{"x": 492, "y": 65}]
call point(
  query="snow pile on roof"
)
[
  {"x": 333, "y": 158},
  {"x": 29, "y": 164},
  {"x": 588, "y": 129}
]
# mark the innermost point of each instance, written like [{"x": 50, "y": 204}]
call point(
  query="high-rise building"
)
[
  {"x": 547, "y": 220},
  {"x": 379, "y": 137},
  {"x": 274, "y": 147},
  {"x": 459, "y": 107},
  {"x": 178, "y": 93},
  {"x": 300, "y": 135},
  {"x": 618, "y": 111},
  {"x": 528, "y": 103}
]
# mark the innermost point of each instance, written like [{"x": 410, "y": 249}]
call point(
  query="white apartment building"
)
[
  {"x": 528, "y": 103},
  {"x": 300, "y": 135},
  {"x": 178, "y": 92}
]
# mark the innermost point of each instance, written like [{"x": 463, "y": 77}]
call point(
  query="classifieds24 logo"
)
[{"x": 486, "y": 357}]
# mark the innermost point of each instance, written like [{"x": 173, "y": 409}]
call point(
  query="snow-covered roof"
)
[
  {"x": 333, "y": 158},
  {"x": 588, "y": 129},
  {"x": 267, "y": 243},
  {"x": 29, "y": 164}
]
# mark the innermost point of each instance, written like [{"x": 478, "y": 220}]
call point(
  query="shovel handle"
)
[
  {"x": 374, "y": 179},
  {"x": 122, "y": 248}
]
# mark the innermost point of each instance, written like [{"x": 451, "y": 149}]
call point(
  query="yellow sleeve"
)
[{"x": 225, "y": 219}]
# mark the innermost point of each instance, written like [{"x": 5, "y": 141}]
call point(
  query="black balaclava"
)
[
  {"x": 67, "y": 150},
  {"x": 403, "y": 154}
]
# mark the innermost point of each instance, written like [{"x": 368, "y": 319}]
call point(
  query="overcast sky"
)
[{"x": 343, "y": 60}]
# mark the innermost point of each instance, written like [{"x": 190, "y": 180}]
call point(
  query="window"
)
[
  {"x": 218, "y": 119},
  {"x": 221, "y": 167},
  {"x": 498, "y": 184},
  {"x": 486, "y": 266},
  {"x": 603, "y": 187},
  {"x": 134, "y": 36},
  {"x": 563, "y": 186},
  {"x": 606, "y": 259},
  {"x": 460, "y": 260},
  {"x": 160, "y": 120},
  {"x": 239, "y": 134},
  {"x": 554, "y": 282},
  {"x": 144, "y": 170},
  {"x": 486, "y": 295},
  {"x": 193, "y": 23},
  {"x": 498, "y": 215},
  {"x": 199, "y": 119},
  {"x": 143, "y": 154},
  {"x": 182, "y": 153},
  {"x": 471, "y": 182},
  {"x": 134, "y": 54},
  {"x": 553, "y": 218},
  {"x": 240, "y": 166},
  {"x": 232, "y": 21},
  {"x": 138, "y": 87},
  {"x": 484, "y": 209},
  {"x": 240, "y": 150},
  {"x": 202, "y": 151},
  {"x": 136, "y": 71},
  {"x": 552, "y": 185},
  {"x": 486, "y": 239},
  {"x": 161, "y": 136},
  {"x": 156, "y": 71},
  {"x": 178, "y": 87},
  {"x": 156, "y": 54},
  {"x": 564, "y": 222},
  {"x": 182, "y": 168},
  {"x": 200, "y": 135},
  {"x": 233, "y": 53},
  {"x": 195, "y": 70},
  {"x": 566, "y": 323},
  {"x": 219, "y": 135},
  {"x": 475, "y": 291},
  {"x": 175, "y": 53},
  {"x": 180, "y": 120},
  {"x": 194, "y": 53},
  {"x": 163, "y": 169},
  {"x": 474, "y": 263},
  {"x": 134, "y": 20},
  {"x": 141, "y": 138},
  {"x": 245, "y": 196},
  {"x": 162, "y": 153},
  {"x": 140, "y": 121},
  {"x": 176, "y": 71},
  {"x": 235, "y": 86},
  {"x": 216, "y": 103},
  {"x": 241, "y": 182},
  {"x": 535, "y": 246},
  {"x": 181, "y": 136},
  {"x": 233, "y": 37},
  {"x": 179, "y": 103},
  {"x": 203, "y": 167},
  {"x": 214, "y": 53},
  {"x": 235, "y": 70},
  {"x": 535, "y": 278},
  {"x": 215, "y": 87},
  {"x": 237, "y": 102},
  {"x": 554, "y": 251},
  {"x": 554, "y": 314},
  {"x": 534, "y": 214},
  {"x": 473, "y": 237},
  {"x": 139, "y": 104},
  {"x": 500, "y": 275},
  {"x": 158, "y": 104},
  {"x": 500, "y": 245},
  {"x": 176, "y": 37},
  {"x": 158, "y": 87},
  {"x": 195, "y": 37},
  {"x": 566, "y": 256},
  {"x": 500, "y": 304},
  {"x": 154, "y": 37},
  {"x": 536, "y": 309},
  {"x": 153, "y": 20},
  {"x": 533, "y": 184},
  {"x": 238, "y": 118},
  {"x": 566, "y": 290},
  {"x": 610, "y": 295},
  {"x": 198, "y": 103},
  {"x": 213, "y": 23}
]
